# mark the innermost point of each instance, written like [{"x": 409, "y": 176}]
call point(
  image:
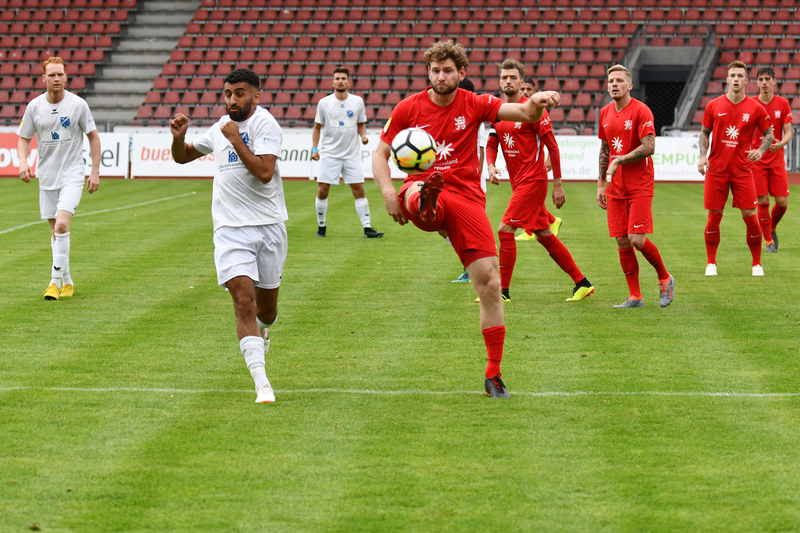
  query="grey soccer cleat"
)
[
  {"x": 666, "y": 292},
  {"x": 771, "y": 248},
  {"x": 775, "y": 240},
  {"x": 630, "y": 302},
  {"x": 495, "y": 387}
]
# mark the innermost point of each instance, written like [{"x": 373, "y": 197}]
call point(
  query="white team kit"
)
[
  {"x": 59, "y": 129},
  {"x": 340, "y": 146},
  {"x": 249, "y": 232}
]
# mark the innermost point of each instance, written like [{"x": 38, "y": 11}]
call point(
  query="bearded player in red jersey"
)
[
  {"x": 523, "y": 149},
  {"x": 628, "y": 140},
  {"x": 732, "y": 120},
  {"x": 769, "y": 172},
  {"x": 449, "y": 196}
]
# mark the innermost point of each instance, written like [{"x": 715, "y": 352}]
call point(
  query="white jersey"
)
[
  {"x": 340, "y": 120},
  {"x": 239, "y": 198},
  {"x": 59, "y": 130}
]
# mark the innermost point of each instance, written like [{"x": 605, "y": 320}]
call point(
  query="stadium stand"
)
[{"x": 294, "y": 45}]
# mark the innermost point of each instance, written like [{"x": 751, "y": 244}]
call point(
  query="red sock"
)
[
  {"x": 630, "y": 267},
  {"x": 754, "y": 238},
  {"x": 528, "y": 232},
  {"x": 550, "y": 217},
  {"x": 508, "y": 257},
  {"x": 765, "y": 221},
  {"x": 777, "y": 215},
  {"x": 561, "y": 256},
  {"x": 712, "y": 236},
  {"x": 413, "y": 203},
  {"x": 494, "y": 339},
  {"x": 650, "y": 252}
]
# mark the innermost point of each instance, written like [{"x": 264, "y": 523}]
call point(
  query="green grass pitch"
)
[{"x": 129, "y": 407}]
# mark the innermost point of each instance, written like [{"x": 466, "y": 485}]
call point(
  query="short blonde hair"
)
[
  {"x": 511, "y": 64},
  {"x": 444, "y": 50},
  {"x": 737, "y": 64},
  {"x": 50, "y": 61},
  {"x": 620, "y": 68}
]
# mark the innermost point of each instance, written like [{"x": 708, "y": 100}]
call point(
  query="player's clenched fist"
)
[
  {"x": 546, "y": 98},
  {"x": 179, "y": 125},
  {"x": 230, "y": 130}
]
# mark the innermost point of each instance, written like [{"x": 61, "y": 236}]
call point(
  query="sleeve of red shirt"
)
[
  {"x": 488, "y": 106},
  {"x": 763, "y": 121},
  {"x": 708, "y": 116},
  {"x": 646, "y": 122},
  {"x": 601, "y": 133},
  {"x": 395, "y": 124},
  {"x": 491, "y": 147},
  {"x": 555, "y": 157},
  {"x": 786, "y": 114}
]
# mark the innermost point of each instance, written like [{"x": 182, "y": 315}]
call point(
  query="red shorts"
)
[
  {"x": 526, "y": 208},
  {"x": 465, "y": 222},
  {"x": 771, "y": 181},
  {"x": 630, "y": 215},
  {"x": 716, "y": 192}
]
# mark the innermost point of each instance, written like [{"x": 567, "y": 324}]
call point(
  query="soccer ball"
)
[{"x": 414, "y": 150}]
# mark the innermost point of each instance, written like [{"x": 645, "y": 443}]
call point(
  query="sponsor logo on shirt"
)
[
  {"x": 509, "y": 140},
  {"x": 617, "y": 144},
  {"x": 443, "y": 149},
  {"x": 732, "y": 132},
  {"x": 54, "y": 136},
  {"x": 341, "y": 123},
  {"x": 461, "y": 123},
  {"x": 64, "y": 122},
  {"x": 232, "y": 157}
]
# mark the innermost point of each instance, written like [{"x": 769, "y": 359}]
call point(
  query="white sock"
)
[
  {"x": 253, "y": 351},
  {"x": 362, "y": 208},
  {"x": 262, "y": 325},
  {"x": 448, "y": 241},
  {"x": 60, "y": 258},
  {"x": 322, "y": 210}
]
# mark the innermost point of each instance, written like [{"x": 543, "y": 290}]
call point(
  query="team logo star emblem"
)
[
  {"x": 732, "y": 132},
  {"x": 444, "y": 150},
  {"x": 628, "y": 124},
  {"x": 617, "y": 144},
  {"x": 509, "y": 140},
  {"x": 777, "y": 114}
]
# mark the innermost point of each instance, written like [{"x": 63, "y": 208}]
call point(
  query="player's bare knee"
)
[
  {"x": 637, "y": 240},
  {"x": 61, "y": 226},
  {"x": 623, "y": 243},
  {"x": 782, "y": 201},
  {"x": 542, "y": 233},
  {"x": 358, "y": 190}
]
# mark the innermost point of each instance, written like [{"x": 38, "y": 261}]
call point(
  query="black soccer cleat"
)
[
  {"x": 370, "y": 233},
  {"x": 321, "y": 231},
  {"x": 495, "y": 387},
  {"x": 775, "y": 240}
]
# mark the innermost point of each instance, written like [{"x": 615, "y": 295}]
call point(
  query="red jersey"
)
[
  {"x": 732, "y": 128},
  {"x": 455, "y": 129},
  {"x": 623, "y": 132},
  {"x": 523, "y": 148},
  {"x": 780, "y": 113}
]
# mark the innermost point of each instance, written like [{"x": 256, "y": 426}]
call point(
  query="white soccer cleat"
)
[
  {"x": 265, "y": 335},
  {"x": 265, "y": 394},
  {"x": 758, "y": 270},
  {"x": 711, "y": 269}
]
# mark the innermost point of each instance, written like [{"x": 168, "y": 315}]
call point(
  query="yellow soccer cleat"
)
[
  {"x": 525, "y": 237},
  {"x": 503, "y": 296},
  {"x": 555, "y": 227},
  {"x": 67, "y": 290},
  {"x": 51, "y": 293},
  {"x": 582, "y": 290}
]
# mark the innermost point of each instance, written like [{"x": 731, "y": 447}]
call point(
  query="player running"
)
[
  {"x": 343, "y": 117},
  {"x": 523, "y": 149},
  {"x": 769, "y": 173},
  {"x": 59, "y": 119},
  {"x": 449, "y": 196},
  {"x": 734, "y": 119},
  {"x": 248, "y": 211},
  {"x": 628, "y": 139}
]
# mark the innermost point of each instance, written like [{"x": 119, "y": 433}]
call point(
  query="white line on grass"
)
[
  {"x": 9, "y": 230},
  {"x": 418, "y": 391}
]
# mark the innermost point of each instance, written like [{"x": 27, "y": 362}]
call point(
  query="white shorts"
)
[
  {"x": 258, "y": 252},
  {"x": 66, "y": 198},
  {"x": 350, "y": 169}
]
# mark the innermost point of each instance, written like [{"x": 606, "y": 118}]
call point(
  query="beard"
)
[
  {"x": 242, "y": 113},
  {"x": 445, "y": 91},
  {"x": 510, "y": 91},
  {"x": 338, "y": 90}
]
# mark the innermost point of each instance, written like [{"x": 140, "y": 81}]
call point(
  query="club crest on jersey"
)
[
  {"x": 617, "y": 144},
  {"x": 517, "y": 125},
  {"x": 64, "y": 122},
  {"x": 732, "y": 132},
  {"x": 628, "y": 124},
  {"x": 777, "y": 114},
  {"x": 461, "y": 123},
  {"x": 245, "y": 137},
  {"x": 509, "y": 140},
  {"x": 350, "y": 114},
  {"x": 232, "y": 157},
  {"x": 746, "y": 117}
]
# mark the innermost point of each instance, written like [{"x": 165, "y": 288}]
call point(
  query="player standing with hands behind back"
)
[
  {"x": 59, "y": 119},
  {"x": 627, "y": 124}
]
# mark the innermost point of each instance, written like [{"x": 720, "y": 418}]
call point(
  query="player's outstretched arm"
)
[
  {"x": 531, "y": 110},
  {"x": 24, "y": 150},
  {"x": 93, "y": 183},
  {"x": 755, "y": 155},
  {"x": 181, "y": 151},
  {"x": 601, "y": 180},
  {"x": 702, "y": 164},
  {"x": 383, "y": 175}
]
